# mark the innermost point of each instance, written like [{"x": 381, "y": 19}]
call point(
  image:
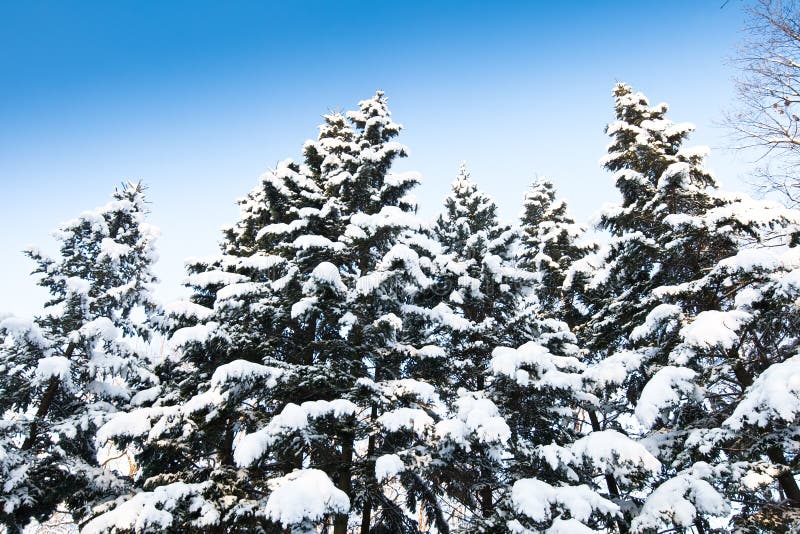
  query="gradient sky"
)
[{"x": 197, "y": 99}]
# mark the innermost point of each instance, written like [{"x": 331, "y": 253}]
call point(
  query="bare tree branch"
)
[{"x": 768, "y": 112}]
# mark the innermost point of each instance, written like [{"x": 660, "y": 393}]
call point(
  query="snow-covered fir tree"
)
[
  {"x": 63, "y": 374},
  {"x": 508, "y": 453},
  {"x": 550, "y": 242},
  {"x": 672, "y": 229},
  {"x": 657, "y": 178},
  {"x": 478, "y": 292},
  {"x": 295, "y": 406}
]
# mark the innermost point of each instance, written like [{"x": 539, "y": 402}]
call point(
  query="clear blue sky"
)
[{"x": 199, "y": 98}]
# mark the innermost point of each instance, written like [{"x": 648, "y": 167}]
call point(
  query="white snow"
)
[
  {"x": 57, "y": 366},
  {"x": 774, "y": 395},
  {"x": 414, "y": 419},
  {"x": 678, "y": 502},
  {"x": 328, "y": 273},
  {"x": 193, "y": 334},
  {"x": 152, "y": 510},
  {"x": 663, "y": 313},
  {"x": 304, "y": 495},
  {"x": 305, "y": 242},
  {"x": 239, "y": 370},
  {"x": 536, "y": 499},
  {"x": 713, "y": 328},
  {"x": 614, "y": 454},
  {"x": 388, "y": 466},
  {"x": 664, "y": 390},
  {"x": 112, "y": 250},
  {"x": 292, "y": 418},
  {"x": 548, "y": 367},
  {"x": 476, "y": 417},
  {"x": 614, "y": 369},
  {"x": 214, "y": 278},
  {"x": 21, "y": 327},
  {"x": 100, "y": 327},
  {"x": 188, "y": 310}
]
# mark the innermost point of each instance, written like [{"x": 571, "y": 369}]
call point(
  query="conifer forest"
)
[{"x": 345, "y": 366}]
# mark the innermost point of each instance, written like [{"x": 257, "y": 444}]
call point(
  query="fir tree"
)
[
  {"x": 672, "y": 228},
  {"x": 294, "y": 363},
  {"x": 476, "y": 268},
  {"x": 550, "y": 242},
  {"x": 66, "y": 372},
  {"x": 497, "y": 451}
]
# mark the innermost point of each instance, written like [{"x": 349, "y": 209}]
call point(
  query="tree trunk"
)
[
  {"x": 47, "y": 401},
  {"x": 366, "y": 515},
  {"x": 345, "y": 481},
  {"x": 785, "y": 479},
  {"x": 485, "y": 497},
  {"x": 226, "y": 451}
]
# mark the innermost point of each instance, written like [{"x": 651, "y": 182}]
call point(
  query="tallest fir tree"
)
[{"x": 293, "y": 399}]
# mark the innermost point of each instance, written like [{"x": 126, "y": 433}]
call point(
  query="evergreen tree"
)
[
  {"x": 475, "y": 268},
  {"x": 550, "y": 242},
  {"x": 508, "y": 452},
  {"x": 66, "y": 372},
  {"x": 295, "y": 403},
  {"x": 230, "y": 347},
  {"x": 672, "y": 228}
]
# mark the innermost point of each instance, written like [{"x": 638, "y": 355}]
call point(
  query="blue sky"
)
[{"x": 197, "y": 99}]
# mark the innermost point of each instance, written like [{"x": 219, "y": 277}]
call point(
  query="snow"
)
[
  {"x": 663, "y": 313},
  {"x": 409, "y": 258},
  {"x": 100, "y": 327},
  {"x": 401, "y": 178},
  {"x": 328, "y": 273},
  {"x": 569, "y": 526},
  {"x": 112, "y": 250},
  {"x": 614, "y": 454},
  {"x": 214, "y": 278},
  {"x": 414, "y": 419},
  {"x": 773, "y": 396},
  {"x": 548, "y": 367},
  {"x": 77, "y": 286},
  {"x": 664, "y": 390},
  {"x": 750, "y": 259},
  {"x": 614, "y": 369},
  {"x": 187, "y": 310},
  {"x": 53, "y": 366},
  {"x": 713, "y": 328},
  {"x": 281, "y": 228},
  {"x": 477, "y": 418},
  {"x": 388, "y": 466},
  {"x": 236, "y": 291},
  {"x": 304, "y": 495},
  {"x": 153, "y": 510},
  {"x": 292, "y": 418},
  {"x": 423, "y": 391},
  {"x": 21, "y": 327},
  {"x": 133, "y": 423},
  {"x": 678, "y": 502},
  {"x": 302, "y": 307},
  {"x": 369, "y": 283},
  {"x": 146, "y": 396},
  {"x": 536, "y": 499},
  {"x": 193, "y": 334},
  {"x": 680, "y": 170},
  {"x": 346, "y": 323},
  {"x": 305, "y": 242},
  {"x": 239, "y": 370}
]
